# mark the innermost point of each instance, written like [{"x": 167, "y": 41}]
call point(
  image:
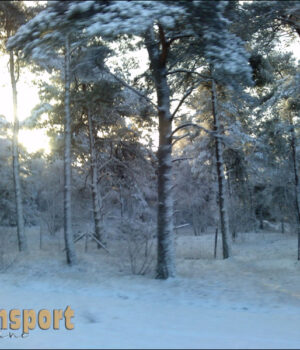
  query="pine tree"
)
[
  {"x": 221, "y": 178},
  {"x": 203, "y": 32},
  {"x": 70, "y": 249}
]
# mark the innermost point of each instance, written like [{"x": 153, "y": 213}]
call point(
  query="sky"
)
[{"x": 28, "y": 98}]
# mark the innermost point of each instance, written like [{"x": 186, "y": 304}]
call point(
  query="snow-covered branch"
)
[
  {"x": 180, "y": 159},
  {"x": 203, "y": 76},
  {"x": 185, "y": 96},
  {"x": 179, "y": 138},
  {"x": 195, "y": 126},
  {"x": 132, "y": 88}
]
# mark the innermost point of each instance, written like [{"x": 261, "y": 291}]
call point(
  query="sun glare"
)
[
  {"x": 34, "y": 140},
  {"x": 28, "y": 98}
]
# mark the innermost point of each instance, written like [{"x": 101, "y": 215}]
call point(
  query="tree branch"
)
[
  {"x": 213, "y": 133},
  {"x": 131, "y": 88},
  {"x": 207, "y": 78},
  {"x": 104, "y": 164},
  {"x": 185, "y": 96},
  {"x": 179, "y": 138},
  {"x": 179, "y": 159},
  {"x": 176, "y": 37}
]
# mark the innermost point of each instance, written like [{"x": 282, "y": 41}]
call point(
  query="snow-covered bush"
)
[{"x": 138, "y": 240}]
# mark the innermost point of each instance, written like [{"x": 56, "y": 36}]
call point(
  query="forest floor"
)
[{"x": 251, "y": 300}]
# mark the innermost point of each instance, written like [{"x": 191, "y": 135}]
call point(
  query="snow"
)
[{"x": 248, "y": 301}]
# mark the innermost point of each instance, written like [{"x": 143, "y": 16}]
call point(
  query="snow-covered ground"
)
[{"x": 251, "y": 300}]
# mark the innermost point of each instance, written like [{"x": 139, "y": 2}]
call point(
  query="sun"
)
[
  {"x": 28, "y": 98},
  {"x": 34, "y": 140}
]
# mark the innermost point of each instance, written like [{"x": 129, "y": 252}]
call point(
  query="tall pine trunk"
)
[
  {"x": 69, "y": 241},
  {"x": 221, "y": 177},
  {"x": 95, "y": 192},
  {"x": 165, "y": 226},
  {"x": 22, "y": 243},
  {"x": 295, "y": 166}
]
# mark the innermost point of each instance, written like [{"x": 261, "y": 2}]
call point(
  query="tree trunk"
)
[
  {"x": 165, "y": 230},
  {"x": 22, "y": 243},
  {"x": 165, "y": 226},
  {"x": 252, "y": 210},
  {"x": 261, "y": 221},
  {"x": 295, "y": 166},
  {"x": 232, "y": 216},
  {"x": 221, "y": 177},
  {"x": 195, "y": 215},
  {"x": 216, "y": 243},
  {"x": 95, "y": 192},
  {"x": 121, "y": 201},
  {"x": 69, "y": 240}
]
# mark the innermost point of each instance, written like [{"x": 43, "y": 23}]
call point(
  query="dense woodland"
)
[{"x": 219, "y": 86}]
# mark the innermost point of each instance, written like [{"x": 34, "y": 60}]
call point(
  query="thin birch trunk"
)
[
  {"x": 221, "y": 177},
  {"x": 295, "y": 166},
  {"x": 165, "y": 227},
  {"x": 95, "y": 192},
  {"x": 69, "y": 239},
  {"x": 22, "y": 242}
]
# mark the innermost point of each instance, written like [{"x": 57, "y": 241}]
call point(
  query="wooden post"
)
[
  {"x": 86, "y": 242},
  {"x": 216, "y": 243},
  {"x": 40, "y": 235}
]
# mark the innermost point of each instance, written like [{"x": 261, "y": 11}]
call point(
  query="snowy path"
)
[{"x": 239, "y": 303}]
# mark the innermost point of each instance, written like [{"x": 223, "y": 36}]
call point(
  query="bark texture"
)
[
  {"x": 95, "y": 192},
  {"x": 296, "y": 177},
  {"x": 221, "y": 177},
  {"x": 69, "y": 240},
  {"x": 165, "y": 226},
  {"x": 22, "y": 243}
]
